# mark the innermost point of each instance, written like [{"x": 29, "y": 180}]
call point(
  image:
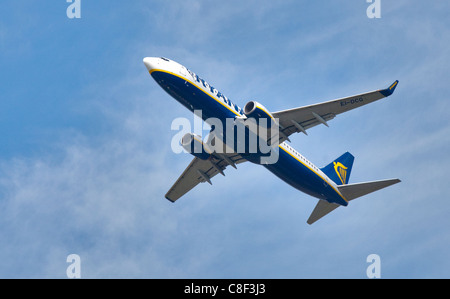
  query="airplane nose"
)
[{"x": 151, "y": 63}]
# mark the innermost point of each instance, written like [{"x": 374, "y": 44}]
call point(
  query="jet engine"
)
[
  {"x": 194, "y": 145},
  {"x": 257, "y": 110}
]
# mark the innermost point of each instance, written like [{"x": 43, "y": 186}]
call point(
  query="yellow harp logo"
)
[{"x": 341, "y": 171}]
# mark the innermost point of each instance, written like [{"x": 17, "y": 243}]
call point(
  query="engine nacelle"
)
[
  {"x": 194, "y": 145},
  {"x": 257, "y": 110},
  {"x": 263, "y": 135}
]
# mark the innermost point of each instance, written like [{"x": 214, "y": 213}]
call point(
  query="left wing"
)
[
  {"x": 300, "y": 119},
  {"x": 200, "y": 171}
]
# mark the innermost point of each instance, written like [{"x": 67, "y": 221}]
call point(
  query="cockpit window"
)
[{"x": 165, "y": 59}]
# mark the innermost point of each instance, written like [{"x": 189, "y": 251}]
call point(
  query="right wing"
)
[
  {"x": 302, "y": 118},
  {"x": 200, "y": 171}
]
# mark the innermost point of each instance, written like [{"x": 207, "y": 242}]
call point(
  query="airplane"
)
[{"x": 329, "y": 184}]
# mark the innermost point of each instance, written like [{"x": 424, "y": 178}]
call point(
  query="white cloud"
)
[{"x": 91, "y": 198}]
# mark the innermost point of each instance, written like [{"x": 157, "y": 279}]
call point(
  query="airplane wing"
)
[
  {"x": 200, "y": 171},
  {"x": 301, "y": 119}
]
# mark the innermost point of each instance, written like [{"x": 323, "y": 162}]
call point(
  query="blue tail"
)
[{"x": 339, "y": 170}]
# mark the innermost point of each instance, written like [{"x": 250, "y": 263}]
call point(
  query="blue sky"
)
[{"x": 85, "y": 157}]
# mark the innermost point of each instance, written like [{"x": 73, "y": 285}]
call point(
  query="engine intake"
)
[{"x": 257, "y": 111}]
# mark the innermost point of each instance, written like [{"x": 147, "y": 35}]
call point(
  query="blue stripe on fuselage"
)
[{"x": 288, "y": 167}]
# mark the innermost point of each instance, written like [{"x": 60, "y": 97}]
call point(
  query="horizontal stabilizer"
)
[
  {"x": 352, "y": 191},
  {"x": 322, "y": 208}
]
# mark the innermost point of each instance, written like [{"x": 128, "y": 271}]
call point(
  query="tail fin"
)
[{"x": 339, "y": 170}]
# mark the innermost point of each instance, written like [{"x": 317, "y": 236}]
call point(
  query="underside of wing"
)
[
  {"x": 200, "y": 171},
  {"x": 302, "y": 118}
]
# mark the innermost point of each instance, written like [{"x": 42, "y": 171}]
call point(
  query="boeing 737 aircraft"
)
[{"x": 329, "y": 184}]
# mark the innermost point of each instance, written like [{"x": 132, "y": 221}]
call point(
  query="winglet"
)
[{"x": 390, "y": 90}]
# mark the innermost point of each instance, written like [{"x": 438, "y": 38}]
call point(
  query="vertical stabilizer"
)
[{"x": 339, "y": 170}]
